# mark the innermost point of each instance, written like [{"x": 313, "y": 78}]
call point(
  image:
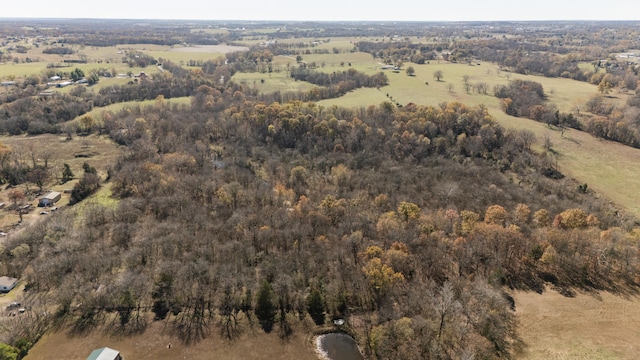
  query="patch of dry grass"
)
[
  {"x": 276, "y": 81},
  {"x": 97, "y": 151},
  {"x": 153, "y": 344},
  {"x": 588, "y": 326}
]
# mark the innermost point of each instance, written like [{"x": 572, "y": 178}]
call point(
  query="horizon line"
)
[{"x": 319, "y": 21}]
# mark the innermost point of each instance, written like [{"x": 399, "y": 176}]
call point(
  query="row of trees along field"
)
[
  {"x": 235, "y": 215},
  {"x": 25, "y": 112},
  {"x": 552, "y": 56},
  {"x": 527, "y": 99}
]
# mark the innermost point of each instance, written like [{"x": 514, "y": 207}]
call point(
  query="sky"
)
[{"x": 389, "y": 10}]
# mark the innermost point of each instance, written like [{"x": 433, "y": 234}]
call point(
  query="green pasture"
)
[
  {"x": 181, "y": 57},
  {"x": 271, "y": 82},
  {"x": 20, "y": 70},
  {"x": 568, "y": 95},
  {"x": 422, "y": 88},
  {"x": 340, "y": 62}
]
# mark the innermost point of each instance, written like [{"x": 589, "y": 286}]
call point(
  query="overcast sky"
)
[{"x": 390, "y": 10}]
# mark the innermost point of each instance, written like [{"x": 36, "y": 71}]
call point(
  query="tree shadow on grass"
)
[
  {"x": 190, "y": 327},
  {"x": 88, "y": 321},
  {"x": 134, "y": 323}
]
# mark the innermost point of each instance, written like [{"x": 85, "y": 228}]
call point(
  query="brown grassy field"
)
[
  {"x": 153, "y": 344},
  {"x": 272, "y": 82},
  {"x": 587, "y": 326},
  {"x": 99, "y": 152}
]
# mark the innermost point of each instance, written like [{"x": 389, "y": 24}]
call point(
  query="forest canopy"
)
[{"x": 282, "y": 210}]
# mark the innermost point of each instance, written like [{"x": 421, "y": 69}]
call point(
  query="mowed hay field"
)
[
  {"x": 587, "y": 326},
  {"x": 153, "y": 344}
]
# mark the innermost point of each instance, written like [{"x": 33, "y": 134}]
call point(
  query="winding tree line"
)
[
  {"x": 527, "y": 99},
  {"x": 45, "y": 114}
]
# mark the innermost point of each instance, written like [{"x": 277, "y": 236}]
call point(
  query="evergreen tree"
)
[
  {"x": 161, "y": 294},
  {"x": 315, "y": 306},
  {"x": 67, "y": 174},
  {"x": 265, "y": 307},
  {"x": 77, "y": 74}
]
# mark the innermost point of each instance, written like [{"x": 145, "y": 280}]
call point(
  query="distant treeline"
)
[
  {"x": 400, "y": 51},
  {"x": 58, "y": 50}
]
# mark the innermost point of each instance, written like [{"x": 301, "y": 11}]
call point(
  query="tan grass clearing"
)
[
  {"x": 154, "y": 344},
  {"x": 587, "y": 326}
]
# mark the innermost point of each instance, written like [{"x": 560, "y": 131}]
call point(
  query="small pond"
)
[{"x": 338, "y": 346}]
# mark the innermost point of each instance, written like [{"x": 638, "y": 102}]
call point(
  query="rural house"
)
[
  {"x": 105, "y": 353},
  {"x": 7, "y": 283},
  {"x": 49, "y": 198}
]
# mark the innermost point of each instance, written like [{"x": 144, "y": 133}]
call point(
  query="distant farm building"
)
[
  {"x": 49, "y": 198},
  {"x": 64, "y": 84},
  {"x": 7, "y": 283},
  {"x": 105, "y": 353}
]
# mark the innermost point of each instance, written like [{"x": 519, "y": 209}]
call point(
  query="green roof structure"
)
[{"x": 105, "y": 353}]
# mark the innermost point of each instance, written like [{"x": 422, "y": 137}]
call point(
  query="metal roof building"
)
[
  {"x": 105, "y": 353},
  {"x": 7, "y": 283}
]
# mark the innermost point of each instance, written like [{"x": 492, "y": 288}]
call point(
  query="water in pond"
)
[{"x": 338, "y": 346}]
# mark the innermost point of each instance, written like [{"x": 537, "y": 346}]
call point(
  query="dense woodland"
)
[
  {"x": 241, "y": 212},
  {"x": 243, "y": 216}
]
